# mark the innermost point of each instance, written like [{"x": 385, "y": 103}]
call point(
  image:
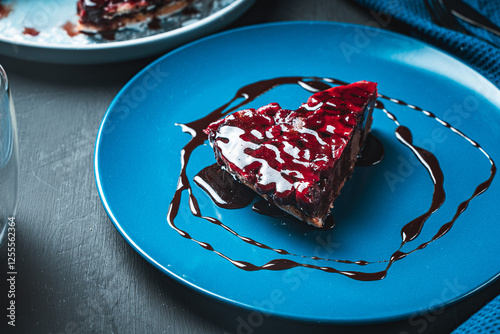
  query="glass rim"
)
[{"x": 4, "y": 78}]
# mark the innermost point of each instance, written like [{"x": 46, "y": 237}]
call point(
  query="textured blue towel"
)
[
  {"x": 486, "y": 321},
  {"x": 478, "y": 54}
]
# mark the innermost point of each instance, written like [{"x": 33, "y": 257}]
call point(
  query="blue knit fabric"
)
[
  {"x": 485, "y": 321},
  {"x": 475, "y": 52}
]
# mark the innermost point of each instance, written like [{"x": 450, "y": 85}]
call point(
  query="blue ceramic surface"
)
[{"x": 137, "y": 164}]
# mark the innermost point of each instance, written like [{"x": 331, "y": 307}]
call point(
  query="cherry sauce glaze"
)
[
  {"x": 212, "y": 178},
  {"x": 229, "y": 193},
  {"x": 31, "y": 31},
  {"x": 5, "y": 10}
]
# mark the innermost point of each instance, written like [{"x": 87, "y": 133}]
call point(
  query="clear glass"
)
[{"x": 9, "y": 157}]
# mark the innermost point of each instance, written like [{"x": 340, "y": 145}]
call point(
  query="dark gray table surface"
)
[{"x": 75, "y": 273}]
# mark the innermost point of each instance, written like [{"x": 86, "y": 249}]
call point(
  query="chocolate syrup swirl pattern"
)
[{"x": 410, "y": 231}]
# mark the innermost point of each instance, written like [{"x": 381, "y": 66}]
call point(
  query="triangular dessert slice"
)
[{"x": 297, "y": 160}]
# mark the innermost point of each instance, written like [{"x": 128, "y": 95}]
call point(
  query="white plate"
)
[{"x": 54, "y": 45}]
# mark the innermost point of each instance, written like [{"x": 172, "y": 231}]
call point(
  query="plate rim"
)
[{"x": 249, "y": 308}]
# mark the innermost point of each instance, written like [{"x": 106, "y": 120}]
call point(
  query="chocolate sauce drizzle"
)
[
  {"x": 410, "y": 230},
  {"x": 235, "y": 195},
  {"x": 372, "y": 152},
  {"x": 265, "y": 208}
]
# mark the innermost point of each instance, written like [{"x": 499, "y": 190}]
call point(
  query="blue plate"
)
[{"x": 137, "y": 166}]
